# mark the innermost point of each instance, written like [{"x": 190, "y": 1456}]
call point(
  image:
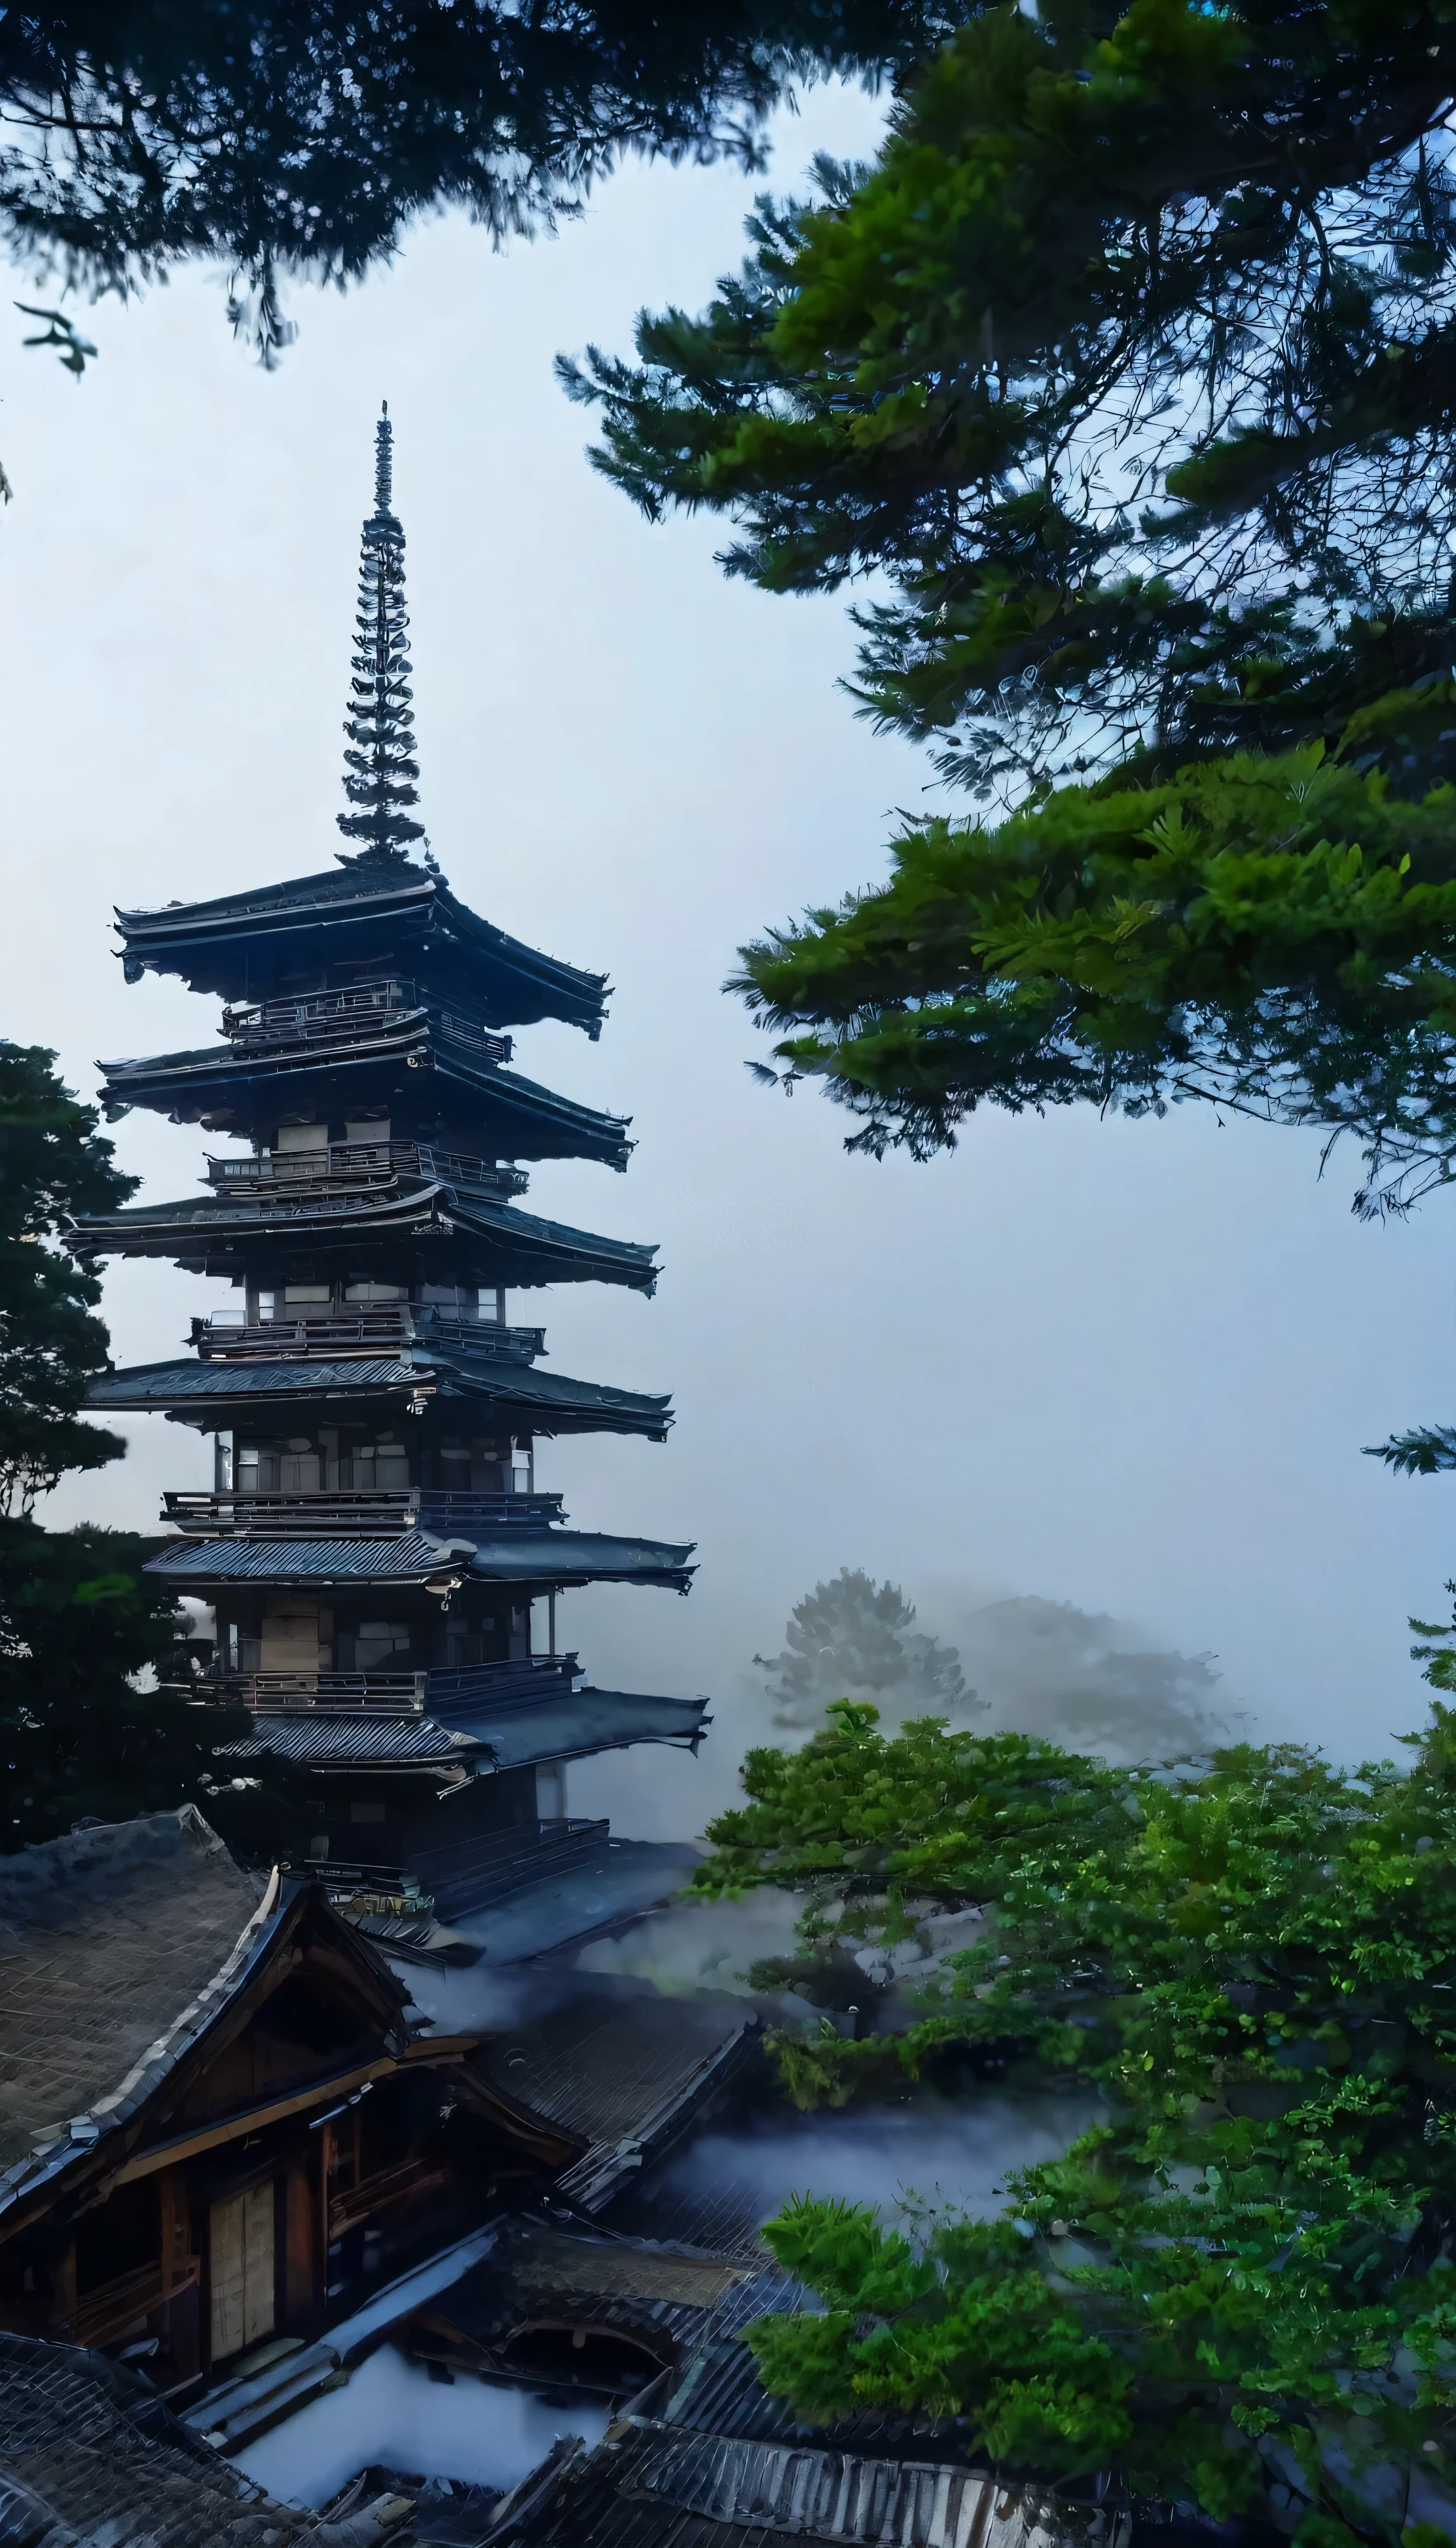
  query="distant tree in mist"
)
[
  {"x": 1087, "y": 1680},
  {"x": 852, "y": 1638}
]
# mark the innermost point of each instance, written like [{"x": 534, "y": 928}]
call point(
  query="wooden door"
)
[{"x": 241, "y": 2255}]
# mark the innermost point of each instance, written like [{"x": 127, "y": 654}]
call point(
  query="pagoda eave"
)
[
  {"x": 536, "y": 1560},
  {"x": 411, "y": 1067},
  {"x": 565, "y": 1729},
  {"x": 244, "y": 944},
  {"x": 479, "y": 1241},
  {"x": 214, "y": 1395}
]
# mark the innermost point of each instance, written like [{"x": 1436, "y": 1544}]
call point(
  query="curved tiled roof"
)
[
  {"x": 105, "y": 1936},
  {"x": 564, "y": 1729},
  {"x": 548, "y": 1399},
  {"x": 522, "y": 1249},
  {"x": 519, "y": 1556},
  {"x": 242, "y": 1085},
  {"x": 89, "y": 2454},
  {"x": 349, "y": 909}
]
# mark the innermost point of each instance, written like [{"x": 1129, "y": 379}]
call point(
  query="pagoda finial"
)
[
  {"x": 384, "y": 460},
  {"x": 380, "y": 767}
]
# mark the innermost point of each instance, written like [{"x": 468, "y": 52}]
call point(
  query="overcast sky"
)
[{"x": 1125, "y": 1366}]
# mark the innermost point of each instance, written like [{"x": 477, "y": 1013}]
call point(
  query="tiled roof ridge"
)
[
  {"x": 96, "y": 1848},
  {"x": 159, "y": 2057}
]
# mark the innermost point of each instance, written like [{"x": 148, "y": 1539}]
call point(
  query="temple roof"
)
[
  {"x": 245, "y": 946},
  {"x": 511, "y": 1738},
  {"x": 507, "y": 1556},
  {"x": 89, "y": 2453},
  {"x": 467, "y": 1237},
  {"x": 409, "y": 1061},
  {"x": 220, "y": 1394},
  {"x": 128, "y": 1923}
]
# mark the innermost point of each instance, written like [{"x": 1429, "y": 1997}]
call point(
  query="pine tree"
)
[
  {"x": 1130, "y": 368},
  {"x": 97, "y": 1716},
  {"x": 307, "y": 135},
  {"x": 81, "y": 1624},
  {"x": 53, "y": 1165},
  {"x": 852, "y": 1639},
  {"x": 381, "y": 765},
  {"x": 1129, "y": 364},
  {"x": 1273, "y": 936}
]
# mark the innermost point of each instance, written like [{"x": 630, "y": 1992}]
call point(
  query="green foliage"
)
[
  {"x": 1423, "y": 1452},
  {"x": 53, "y": 1165},
  {"x": 307, "y": 135},
  {"x": 1241, "y": 2279},
  {"x": 852, "y": 1634},
  {"x": 1273, "y": 935},
  {"x": 1146, "y": 425},
  {"x": 80, "y": 1625}
]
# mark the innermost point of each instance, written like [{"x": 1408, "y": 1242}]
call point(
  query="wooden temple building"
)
[
  {"x": 379, "y": 1555},
  {"x": 240, "y": 2126}
]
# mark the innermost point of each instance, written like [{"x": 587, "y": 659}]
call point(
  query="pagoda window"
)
[
  {"x": 375, "y": 1645},
  {"x": 306, "y": 1300},
  {"x": 476, "y": 1467},
  {"x": 279, "y": 1468},
  {"x": 455, "y": 1300},
  {"x": 374, "y": 1292},
  {"x": 302, "y": 1136},
  {"x": 466, "y": 1648},
  {"x": 380, "y": 1464},
  {"x": 373, "y": 1128},
  {"x": 296, "y": 1638},
  {"x": 239, "y": 1641}
]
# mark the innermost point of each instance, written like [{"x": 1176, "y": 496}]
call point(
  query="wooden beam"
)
[{"x": 252, "y": 2118}]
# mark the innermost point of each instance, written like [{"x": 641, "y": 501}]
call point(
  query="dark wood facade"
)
[{"x": 303, "y": 2145}]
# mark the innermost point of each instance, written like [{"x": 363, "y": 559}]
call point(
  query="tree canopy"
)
[
  {"x": 53, "y": 1163},
  {"x": 1126, "y": 372},
  {"x": 307, "y": 136},
  {"x": 96, "y": 1668},
  {"x": 1237, "y": 2289},
  {"x": 1130, "y": 362},
  {"x": 97, "y": 1708},
  {"x": 1276, "y": 935}
]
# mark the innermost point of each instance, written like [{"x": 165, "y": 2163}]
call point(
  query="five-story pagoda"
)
[{"x": 375, "y": 1545}]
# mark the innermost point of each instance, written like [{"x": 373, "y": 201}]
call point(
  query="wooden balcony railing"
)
[
  {"x": 353, "y": 1511},
  {"x": 380, "y": 1694},
  {"x": 450, "y": 1689},
  {"x": 373, "y": 1328},
  {"x": 354, "y": 1167},
  {"x": 333, "y": 1017},
  {"x": 285, "y": 1017}
]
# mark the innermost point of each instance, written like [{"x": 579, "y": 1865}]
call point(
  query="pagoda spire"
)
[{"x": 380, "y": 767}]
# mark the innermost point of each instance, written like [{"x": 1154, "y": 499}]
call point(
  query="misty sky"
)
[{"x": 1125, "y": 1366}]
